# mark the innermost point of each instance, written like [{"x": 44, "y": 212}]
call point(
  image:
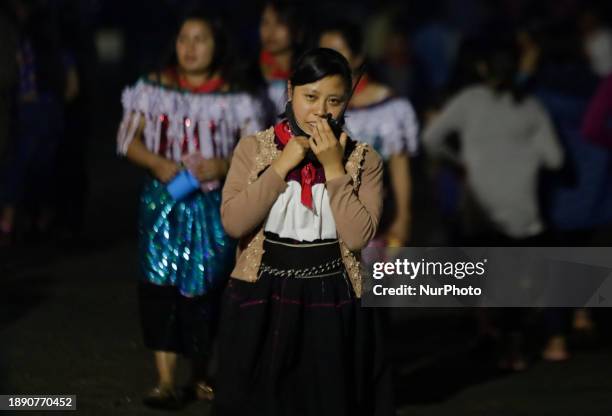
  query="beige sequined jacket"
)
[{"x": 251, "y": 189}]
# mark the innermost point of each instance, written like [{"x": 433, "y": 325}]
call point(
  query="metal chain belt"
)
[{"x": 306, "y": 273}]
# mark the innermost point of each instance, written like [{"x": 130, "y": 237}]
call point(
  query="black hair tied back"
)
[{"x": 319, "y": 63}]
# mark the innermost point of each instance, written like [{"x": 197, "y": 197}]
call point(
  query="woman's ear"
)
[{"x": 289, "y": 90}]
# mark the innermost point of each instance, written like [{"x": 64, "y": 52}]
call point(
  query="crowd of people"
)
[{"x": 493, "y": 120}]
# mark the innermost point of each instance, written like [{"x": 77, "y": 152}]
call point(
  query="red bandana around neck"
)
[
  {"x": 271, "y": 67},
  {"x": 307, "y": 173},
  {"x": 362, "y": 84},
  {"x": 212, "y": 85}
]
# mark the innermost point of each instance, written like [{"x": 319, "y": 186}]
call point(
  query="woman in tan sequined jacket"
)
[
  {"x": 293, "y": 337},
  {"x": 252, "y": 187}
]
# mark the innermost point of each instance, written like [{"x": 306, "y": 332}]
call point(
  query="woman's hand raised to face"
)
[
  {"x": 293, "y": 153},
  {"x": 328, "y": 149}
]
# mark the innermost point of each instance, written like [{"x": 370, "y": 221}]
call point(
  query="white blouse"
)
[{"x": 289, "y": 218}]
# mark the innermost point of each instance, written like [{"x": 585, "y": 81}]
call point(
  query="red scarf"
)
[
  {"x": 307, "y": 173},
  {"x": 271, "y": 67},
  {"x": 212, "y": 85},
  {"x": 362, "y": 84}
]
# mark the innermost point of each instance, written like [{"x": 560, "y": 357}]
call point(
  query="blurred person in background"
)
[
  {"x": 506, "y": 139},
  {"x": 578, "y": 200},
  {"x": 190, "y": 114},
  {"x": 434, "y": 44},
  {"x": 597, "y": 122},
  {"x": 386, "y": 122},
  {"x": 597, "y": 43},
  {"x": 8, "y": 79},
  {"x": 281, "y": 37},
  {"x": 597, "y": 38},
  {"x": 388, "y": 45},
  {"x": 29, "y": 175}
]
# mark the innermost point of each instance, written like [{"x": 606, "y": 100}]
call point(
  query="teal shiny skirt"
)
[{"x": 182, "y": 243}]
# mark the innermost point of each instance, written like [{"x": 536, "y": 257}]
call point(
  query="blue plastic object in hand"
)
[{"x": 182, "y": 185}]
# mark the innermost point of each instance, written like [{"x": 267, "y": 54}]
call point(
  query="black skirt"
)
[
  {"x": 297, "y": 341},
  {"x": 175, "y": 323}
]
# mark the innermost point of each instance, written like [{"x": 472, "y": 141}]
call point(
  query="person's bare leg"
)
[
  {"x": 582, "y": 320},
  {"x": 556, "y": 349},
  {"x": 7, "y": 220},
  {"x": 7, "y": 225},
  {"x": 163, "y": 396},
  {"x": 166, "y": 363}
]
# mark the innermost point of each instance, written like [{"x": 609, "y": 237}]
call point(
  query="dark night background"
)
[{"x": 68, "y": 306}]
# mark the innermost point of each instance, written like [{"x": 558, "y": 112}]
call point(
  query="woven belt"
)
[{"x": 321, "y": 270}]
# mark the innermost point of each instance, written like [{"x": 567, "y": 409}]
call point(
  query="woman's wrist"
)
[
  {"x": 153, "y": 161},
  {"x": 334, "y": 171},
  {"x": 280, "y": 168},
  {"x": 222, "y": 166}
]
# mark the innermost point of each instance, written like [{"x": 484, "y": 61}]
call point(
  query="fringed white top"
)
[
  {"x": 277, "y": 93},
  {"x": 179, "y": 122},
  {"x": 390, "y": 126}
]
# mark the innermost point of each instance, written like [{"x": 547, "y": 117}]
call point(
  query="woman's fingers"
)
[
  {"x": 321, "y": 133},
  {"x": 323, "y": 138},
  {"x": 303, "y": 141},
  {"x": 326, "y": 129},
  {"x": 316, "y": 140},
  {"x": 314, "y": 137},
  {"x": 313, "y": 145},
  {"x": 343, "y": 138}
]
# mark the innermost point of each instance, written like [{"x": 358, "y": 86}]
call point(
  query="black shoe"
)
[
  {"x": 163, "y": 398},
  {"x": 200, "y": 391}
]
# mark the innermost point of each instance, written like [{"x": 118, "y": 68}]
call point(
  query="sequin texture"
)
[{"x": 183, "y": 243}]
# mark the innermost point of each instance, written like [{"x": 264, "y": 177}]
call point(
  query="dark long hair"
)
[
  {"x": 294, "y": 16},
  {"x": 353, "y": 36},
  {"x": 501, "y": 60},
  {"x": 318, "y": 63},
  {"x": 291, "y": 14},
  {"x": 350, "y": 32}
]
